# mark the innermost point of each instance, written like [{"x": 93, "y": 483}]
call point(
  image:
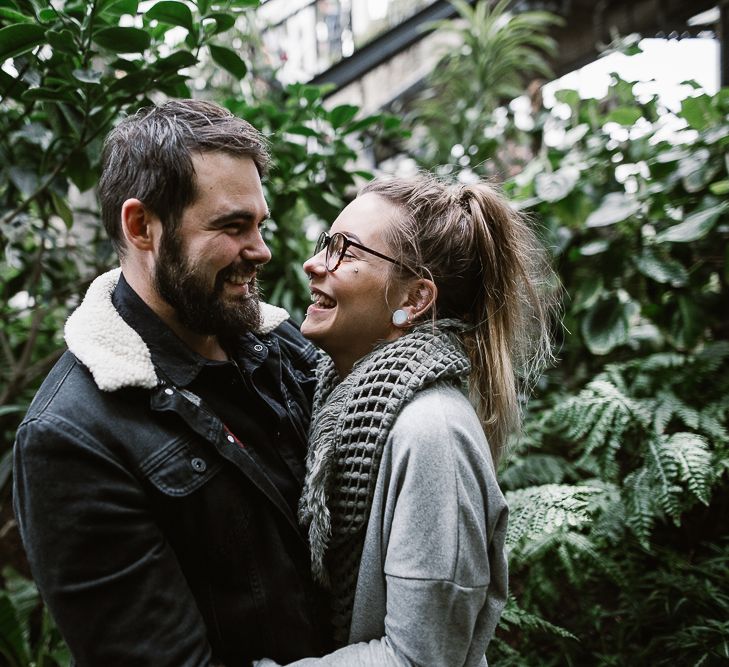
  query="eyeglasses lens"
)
[
  {"x": 321, "y": 243},
  {"x": 334, "y": 251}
]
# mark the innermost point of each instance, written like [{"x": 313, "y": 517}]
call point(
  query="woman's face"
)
[{"x": 352, "y": 308}]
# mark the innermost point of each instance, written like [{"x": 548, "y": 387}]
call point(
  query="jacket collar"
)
[{"x": 113, "y": 351}]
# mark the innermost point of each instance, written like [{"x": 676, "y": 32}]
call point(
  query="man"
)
[{"x": 158, "y": 469}]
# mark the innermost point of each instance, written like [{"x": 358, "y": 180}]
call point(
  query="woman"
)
[{"x": 419, "y": 289}]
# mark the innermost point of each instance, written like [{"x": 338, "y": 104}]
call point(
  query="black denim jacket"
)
[{"x": 153, "y": 535}]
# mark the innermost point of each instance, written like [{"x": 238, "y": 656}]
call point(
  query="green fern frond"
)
[
  {"x": 545, "y": 509},
  {"x": 601, "y": 413},
  {"x": 693, "y": 460},
  {"x": 639, "y": 504},
  {"x": 713, "y": 427},
  {"x": 515, "y": 616},
  {"x": 713, "y": 356},
  {"x": 664, "y": 471},
  {"x": 667, "y": 405},
  {"x": 534, "y": 469}
]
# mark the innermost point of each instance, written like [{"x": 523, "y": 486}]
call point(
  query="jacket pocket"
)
[{"x": 181, "y": 467}]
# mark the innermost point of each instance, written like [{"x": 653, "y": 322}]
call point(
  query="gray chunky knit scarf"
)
[{"x": 352, "y": 420}]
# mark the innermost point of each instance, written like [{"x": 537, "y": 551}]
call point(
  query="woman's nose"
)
[{"x": 315, "y": 263}]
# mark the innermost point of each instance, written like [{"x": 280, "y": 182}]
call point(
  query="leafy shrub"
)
[{"x": 638, "y": 409}]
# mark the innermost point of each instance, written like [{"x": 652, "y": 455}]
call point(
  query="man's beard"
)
[{"x": 199, "y": 307}]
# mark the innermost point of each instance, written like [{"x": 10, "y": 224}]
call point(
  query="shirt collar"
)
[{"x": 173, "y": 358}]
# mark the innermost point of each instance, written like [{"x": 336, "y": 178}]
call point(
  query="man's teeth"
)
[
  {"x": 322, "y": 300},
  {"x": 238, "y": 280}
]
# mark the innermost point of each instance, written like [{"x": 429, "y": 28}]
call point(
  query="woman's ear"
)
[
  {"x": 137, "y": 224},
  {"x": 420, "y": 298}
]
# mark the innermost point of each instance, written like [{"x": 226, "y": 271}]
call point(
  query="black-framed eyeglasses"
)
[{"x": 336, "y": 246}]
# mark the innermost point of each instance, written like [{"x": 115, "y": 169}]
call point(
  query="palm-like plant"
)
[{"x": 500, "y": 52}]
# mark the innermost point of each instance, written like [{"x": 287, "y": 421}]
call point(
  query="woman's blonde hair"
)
[{"x": 493, "y": 273}]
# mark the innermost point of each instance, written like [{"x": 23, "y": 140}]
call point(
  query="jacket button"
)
[
  {"x": 258, "y": 348},
  {"x": 169, "y": 391},
  {"x": 198, "y": 465}
]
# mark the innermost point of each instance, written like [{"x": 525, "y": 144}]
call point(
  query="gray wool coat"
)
[{"x": 433, "y": 578}]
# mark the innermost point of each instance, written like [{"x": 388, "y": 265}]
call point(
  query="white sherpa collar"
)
[{"x": 115, "y": 353}]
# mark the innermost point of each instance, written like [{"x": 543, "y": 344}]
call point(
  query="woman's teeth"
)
[{"x": 322, "y": 300}]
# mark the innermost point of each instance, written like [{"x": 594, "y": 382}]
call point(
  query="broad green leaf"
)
[
  {"x": 696, "y": 225},
  {"x": 19, "y": 38},
  {"x": 177, "y": 61},
  {"x": 302, "y": 130},
  {"x": 673, "y": 154},
  {"x": 119, "y": 7},
  {"x": 62, "y": 40},
  {"x": 363, "y": 123},
  {"x": 615, "y": 207},
  {"x": 594, "y": 247},
  {"x": 552, "y": 187},
  {"x": 624, "y": 115},
  {"x": 80, "y": 172},
  {"x": 132, "y": 82},
  {"x": 245, "y": 3},
  {"x": 662, "y": 269},
  {"x": 88, "y": 75},
  {"x": 26, "y": 180},
  {"x": 203, "y": 6},
  {"x": 223, "y": 22},
  {"x": 47, "y": 15},
  {"x": 696, "y": 170},
  {"x": 589, "y": 290},
  {"x": 698, "y": 112},
  {"x": 123, "y": 40},
  {"x": 62, "y": 209},
  {"x": 342, "y": 114},
  {"x": 687, "y": 323},
  {"x": 50, "y": 95},
  {"x": 173, "y": 13},
  {"x": 719, "y": 188},
  {"x": 228, "y": 60},
  {"x": 310, "y": 93},
  {"x": 568, "y": 96},
  {"x": 15, "y": 15},
  {"x": 606, "y": 324}
]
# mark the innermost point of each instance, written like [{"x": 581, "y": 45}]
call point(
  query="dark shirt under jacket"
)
[{"x": 243, "y": 392}]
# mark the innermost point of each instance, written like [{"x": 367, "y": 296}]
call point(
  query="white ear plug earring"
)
[{"x": 399, "y": 317}]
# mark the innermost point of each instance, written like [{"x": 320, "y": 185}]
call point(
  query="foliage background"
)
[{"x": 618, "y": 541}]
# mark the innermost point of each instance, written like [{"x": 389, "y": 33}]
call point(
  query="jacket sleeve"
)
[
  {"x": 443, "y": 521},
  {"x": 106, "y": 572}
]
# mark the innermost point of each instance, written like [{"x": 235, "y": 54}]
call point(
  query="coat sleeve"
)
[
  {"x": 443, "y": 521},
  {"x": 106, "y": 572}
]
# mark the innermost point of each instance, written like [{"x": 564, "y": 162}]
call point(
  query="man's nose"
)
[{"x": 255, "y": 249}]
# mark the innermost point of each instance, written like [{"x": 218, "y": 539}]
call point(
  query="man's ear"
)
[{"x": 138, "y": 224}]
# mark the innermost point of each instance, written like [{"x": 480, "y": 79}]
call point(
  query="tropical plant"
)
[
  {"x": 21, "y": 644},
  {"x": 629, "y": 197},
  {"x": 498, "y": 52}
]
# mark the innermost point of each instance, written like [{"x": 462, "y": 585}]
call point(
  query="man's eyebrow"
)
[{"x": 233, "y": 216}]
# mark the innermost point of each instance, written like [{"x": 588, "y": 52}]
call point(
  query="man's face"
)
[{"x": 206, "y": 270}]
